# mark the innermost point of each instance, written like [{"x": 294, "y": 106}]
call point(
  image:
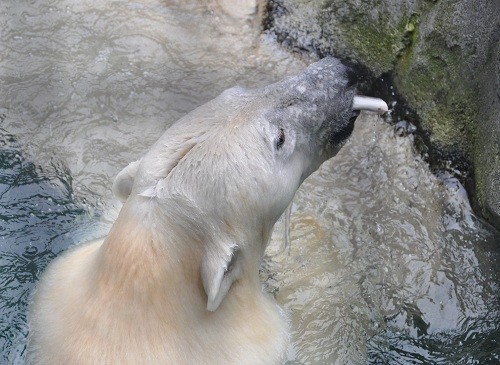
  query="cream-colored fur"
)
[
  {"x": 158, "y": 289},
  {"x": 128, "y": 301},
  {"x": 176, "y": 280}
]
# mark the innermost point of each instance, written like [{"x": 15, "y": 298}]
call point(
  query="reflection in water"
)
[{"x": 386, "y": 265}]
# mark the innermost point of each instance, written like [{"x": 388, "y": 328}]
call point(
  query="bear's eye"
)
[{"x": 281, "y": 139}]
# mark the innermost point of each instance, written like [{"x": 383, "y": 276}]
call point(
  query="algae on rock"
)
[{"x": 444, "y": 59}]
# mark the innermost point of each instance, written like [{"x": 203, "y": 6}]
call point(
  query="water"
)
[
  {"x": 386, "y": 262},
  {"x": 388, "y": 265}
]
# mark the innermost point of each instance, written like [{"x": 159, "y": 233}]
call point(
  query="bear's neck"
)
[
  {"x": 146, "y": 283},
  {"x": 142, "y": 263},
  {"x": 143, "y": 258}
]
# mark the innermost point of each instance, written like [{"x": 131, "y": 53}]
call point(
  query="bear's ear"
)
[
  {"x": 122, "y": 186},
  {"x": 218, "y": 273}
]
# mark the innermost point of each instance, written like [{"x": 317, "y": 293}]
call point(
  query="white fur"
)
[
  {"x": 155, "y": 290},
  {"x": 127, "y": 302},
  {"x": 176, "y": 280},
  {"x": 122, "y": 186}
]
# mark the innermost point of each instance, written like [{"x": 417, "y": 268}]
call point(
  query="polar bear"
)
[{"x": 176, "y": 279}]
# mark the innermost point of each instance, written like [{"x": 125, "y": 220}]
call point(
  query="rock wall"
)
[{"x": 442, "y": 54}]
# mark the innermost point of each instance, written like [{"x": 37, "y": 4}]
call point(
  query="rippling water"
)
[{"x": 387, "y": 263}]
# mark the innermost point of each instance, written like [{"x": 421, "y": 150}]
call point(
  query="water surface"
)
[{"x": 387, "y": 262}]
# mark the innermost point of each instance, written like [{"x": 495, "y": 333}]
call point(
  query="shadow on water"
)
[{"x": 39, "y": 216}]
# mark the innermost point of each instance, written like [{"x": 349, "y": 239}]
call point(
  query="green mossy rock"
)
[{"x": 445, "y": 58}]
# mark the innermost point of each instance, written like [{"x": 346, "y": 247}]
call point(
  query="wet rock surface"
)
[{"x": 444, "y": 59}]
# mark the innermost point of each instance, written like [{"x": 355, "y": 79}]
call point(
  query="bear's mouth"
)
[
  {"x": 339, "y": 138},
  {"x": 359, "y": 103}
]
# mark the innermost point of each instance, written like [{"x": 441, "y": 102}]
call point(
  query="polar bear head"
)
[{"x": 225, "y": 172}]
